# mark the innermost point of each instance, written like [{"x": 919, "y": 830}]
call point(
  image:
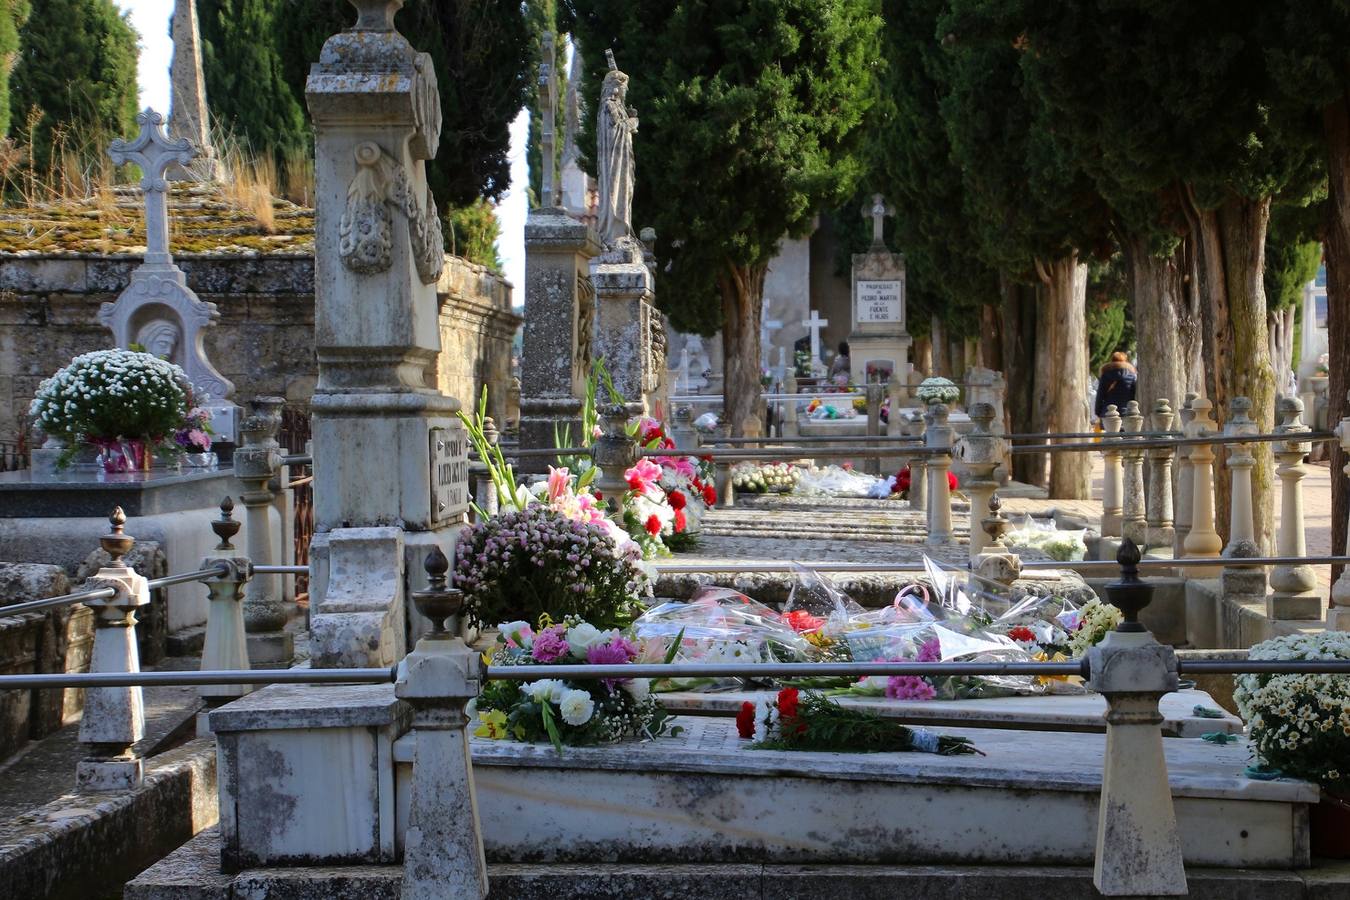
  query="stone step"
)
[{"x": 193, "y": 873}]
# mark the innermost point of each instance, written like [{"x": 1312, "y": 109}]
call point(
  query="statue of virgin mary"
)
[{"x": 615, "y": 125}]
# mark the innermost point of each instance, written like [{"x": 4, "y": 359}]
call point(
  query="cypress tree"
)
[
  {"x": 13, "y": 13},
  {"x": 77, "y": 66}
]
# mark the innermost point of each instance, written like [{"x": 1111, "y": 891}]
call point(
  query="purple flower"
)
[
  {"x": 931, "y": 651},
  {"x": 615, "y": 653},
  {"x": 550, "y": 645},
  {"x": 909, "y": 687}
]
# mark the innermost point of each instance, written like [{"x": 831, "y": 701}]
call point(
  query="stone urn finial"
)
[
  {"x": 1130, "y": 594},
  {"x": 225, "y": 527},
  {"x": 996, "y": 524},
  {"x": 438, "y": 601},
  {"x": 375, "y": 15},
  {"x": 117, "y": 543}
]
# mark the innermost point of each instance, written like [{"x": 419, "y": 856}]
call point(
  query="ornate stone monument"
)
[
  {"x": 879, "y": 344},
  {"x": 559, "y": 303},
  {"x": 157, "y": 309},
  {"x": 390, "y": 457}
]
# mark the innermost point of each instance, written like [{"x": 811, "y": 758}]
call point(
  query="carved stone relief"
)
[{"x": 365, "y": 232}]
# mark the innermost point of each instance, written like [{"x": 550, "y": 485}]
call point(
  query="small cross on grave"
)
[
  {"x": 878, "y": 210},
  {"x": 154, "y": 153},
  {"x": 815, "y": 323}
]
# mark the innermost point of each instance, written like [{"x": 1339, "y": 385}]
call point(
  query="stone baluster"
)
[
  {"x": 791, "y": 430},
  {"x": 1185, "y": 481},
  {"x": 1202, "y": 541},
  {"x": 1294, "y": 586},
  {"x": 1160, "y": 531},
  {"x": 873, "y": 391},
  {"x": 726, "y": 491},
  {"x": 226, "y": 646},
  {"x": 918, "y": 479},
  {"x": 1135, "y": 818},
  {"x": 1338, "y": 611},
  {"x": 257, "y": 463},
  {"x": 485, "y": 491},
  {"x": 1112, "y": 476},
  {"x": 1242, "y": 523},
  {"x": 114, "y": 717},
  {"x": 443, "y": 845},
  {"x": 979, "y": 453},
  {"x": 995, "y": 568},
  {"x": 614, "y": 453},
  {"x": 895, "y": 392},
  {"x": 938, "y": 436},
  {"x": 1134, "y": 522}
]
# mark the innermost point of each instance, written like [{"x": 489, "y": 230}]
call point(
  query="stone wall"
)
[{"x": 264, "y": 341}]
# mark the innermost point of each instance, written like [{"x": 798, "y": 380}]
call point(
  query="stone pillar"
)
[
  {"x": 1112, "y": 477},
  {"x": 629, "y": 335},
  {"x": 1338, "y": 609},
  {"x": 979, "y": 454},
  {"x": 1160, "y": 531},
  {"x": 791, "y": 431},
  {"x": 257, "y": 463},
  {"x": 443, "y": 845},
  {"x": 989, "y": 386},
  {"x": 1242, "y": 524},
  {"x": 1185, "y": 482},
  {"x": 1294, "y": 586},
  {"x": 895, "y": 393},
  {"x": 918, "y": 478},
  {"x": 555, "y": 359},
  {"x": 873, "y": 392},
  {"x": 390, "y": 458},
  {"x": 726, "y": 491},
  {"x": 938, "y": 435},
  {"x": 114, "y": 717},
  {"x": 613, "y": 453},
  {"x": 1134, "y": 523},
  {"x": 1202, "y": 541},
  {"x": 1138, "y": 843},
  {"x": 188, "y": 117},
  {"x": 226, "y": 645}
]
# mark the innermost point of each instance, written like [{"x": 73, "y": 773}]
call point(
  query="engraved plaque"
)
[
  {"x": 880, "y": 302},
  {"x": 449, "y": 472}
]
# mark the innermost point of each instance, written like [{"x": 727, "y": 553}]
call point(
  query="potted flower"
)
[
  {"x": 938, "y": 390},
  {"x": 1300, "y": 726},
  {"x": 126, "y": 403},
  {"x": 194, "y": 438}
]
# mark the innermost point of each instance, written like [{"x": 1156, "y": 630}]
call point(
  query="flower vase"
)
[
  {"x": 205, "y": 459},
  {"x": 1330, "y": 826}
]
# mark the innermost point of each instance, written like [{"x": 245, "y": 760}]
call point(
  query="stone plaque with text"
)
[
  {"x": 449, "y": 472},
  {"x": 880, "y": 302}
]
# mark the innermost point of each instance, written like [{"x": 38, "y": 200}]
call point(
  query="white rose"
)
[
  {"x": 519, "y": 632},
  {"x": 638, "y": 688},
  {"x": 576, "y": 707},
  {"x": 546, "y": 690},
  {"x": 584, "y": 636}
]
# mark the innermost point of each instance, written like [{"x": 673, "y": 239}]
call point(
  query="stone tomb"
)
[
  {"x": 332, "y": 758},
  {"x": 879, "y": 344}
]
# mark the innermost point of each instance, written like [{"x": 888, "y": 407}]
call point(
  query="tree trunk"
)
[
  {"x": 742, "y": 302},
  {"x": 1230, "y": 260},
  {"x": 1162, "y": 324},
  {"x": 937, "y": 332},
  {"x": 923, "y": 356},
  {"x": 1336, "y": 244},
  {"x": 1280, "y": 323},
  {"x": 1061, "y": 384},
  {"x": 1019, "y": 351},
  {"x": 991, "y": 337}
]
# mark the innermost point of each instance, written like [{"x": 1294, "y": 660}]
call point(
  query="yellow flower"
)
[
  {"x": 493, "y": 724},
  {"x": 1058, "y": 657}
]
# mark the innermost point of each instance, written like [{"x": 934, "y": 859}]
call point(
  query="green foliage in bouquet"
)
[{"x": 811, "y": 721}]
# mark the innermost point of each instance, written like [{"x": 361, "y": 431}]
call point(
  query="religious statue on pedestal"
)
[{"x": 614, "y": 157}]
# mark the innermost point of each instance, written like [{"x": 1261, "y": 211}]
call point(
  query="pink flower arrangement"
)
[
  {"x": 550, "y": 645},
  {"x": 643, "y": 475}
]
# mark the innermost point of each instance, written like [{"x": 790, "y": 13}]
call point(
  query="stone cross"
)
[
  {"x": 766, "y": 328},
  {"x": 548, "y": 101},
  {"x": 878, "y": 210},
  {"x": 815, "y": 323},
  {"x": 154, "y": 153},
  {"x": 187, "y": 99}
]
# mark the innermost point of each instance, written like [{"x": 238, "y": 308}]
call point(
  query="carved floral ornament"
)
[{"x": 365, "y": 233}]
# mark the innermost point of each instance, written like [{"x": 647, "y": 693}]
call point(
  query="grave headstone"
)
[{"x": 879, "y": 344}]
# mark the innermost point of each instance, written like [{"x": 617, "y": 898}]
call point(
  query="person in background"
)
[
  {"x": 840, "y": 365},
  {"x": 1115, "y": 386}
]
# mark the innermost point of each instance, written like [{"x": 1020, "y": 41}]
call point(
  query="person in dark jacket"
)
[{"x": 1116, "y": 385}]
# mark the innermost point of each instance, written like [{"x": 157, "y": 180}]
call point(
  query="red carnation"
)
[
  {"x": 787, "y": 704},
  {"x": 653, "y": 525},
  {"x": 745, "y": 720},
  {"x": 902, "y": 479},
  {"x": 799, "y": 620},
  {"x": 676, "y": 500},
  {"x": 1021, "y": 633},
  {"x": 952, "y": 483},
  {"x": 680, "y": 521},
  {"x": 710, "y": 495},
  {"x": 635, "y": 483}
]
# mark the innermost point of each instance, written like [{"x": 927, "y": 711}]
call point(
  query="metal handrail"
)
[
  {"x": 210, "y": 676},
  {"x": 187, "y": 577},
  {"x": 785, "y": 452},
  {"x": 1112, "y": 442},
  {"x": 848, "y": 567},
  {"x": 821, "y": 439},
  {"x": 107, "y": 593},
  {"x": 298, "y": 459},
  {"x": 279, "y": 570}
]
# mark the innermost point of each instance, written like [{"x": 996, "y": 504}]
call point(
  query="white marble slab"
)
[{"x": 1058, "y": 712}]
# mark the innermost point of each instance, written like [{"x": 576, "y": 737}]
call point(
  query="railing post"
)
[
  {"x": 1161, "y": 532},
  {"x": 1138, "y": 843},
  {"x": 939, "y": 435},
  {"x": 726, "y": 491},
  {"x": 895, "y": 392},
  {"x": 614, "y": 453},
  {"x": 226, "y": 644},
  {"x": 1185, "y": 482},
  {"x": 995, "y": 564},
  {"x": 1242, "y": 524},
  {"x": 1202, "y": 541},
  {"x": 918, "y": 478},
  {"x": 485, "y": 489},
  {"x": 1134, "y": 523},
  {"x": 979, "y": 453},
  {"x": 1112, "y": 475},
  {"x": 256, "y": 463},
  {"x": 443, "y": 845},
  {"x": 114, "y": 717},
  {"x": 873, "y": 392},
  {"x": 1338, "y": 612},
  {"x": 790, "y": 428},
  {"x": 1294, "y": 587}
]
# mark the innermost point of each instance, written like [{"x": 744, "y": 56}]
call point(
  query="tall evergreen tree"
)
[
  {"x": 13, "y": 13},
  {"x": 77, "y": 66},
  {"x": 749, "y": 115}
]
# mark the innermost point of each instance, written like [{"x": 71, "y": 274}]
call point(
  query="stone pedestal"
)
[
  {"x": 989, "y": 386},
  {"x": 257, "y": 463},
  {"x": 629, "y": 336},
  {"x": 1294, "y": 587},
  {"x": 1242, "y": 523},
  {"x": 978, "y": 455},
  {"x": 938, "y": 435},
  {"x": 1185, "y": 482},
  {"x": 1202, "y": 540},
  {"x": 1113, "y": 477},
  {"x": 559, "y": 322},
  {"x": 1134, "y": 521},
  {"x": 1160, "y": 531}
]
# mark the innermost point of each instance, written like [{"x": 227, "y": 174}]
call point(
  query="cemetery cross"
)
[
  {"x": 815, "y": 323},
  {"x": 154, "y": 153},
  {"x": 549, "y": 195},
  {"x": 878, "y": 210}
]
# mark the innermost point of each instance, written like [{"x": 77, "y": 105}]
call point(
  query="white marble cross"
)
[
  {"x": 879, "y": 210},
  {"x": 815, "y": 323},
  {"x": 154, "y": 153}
]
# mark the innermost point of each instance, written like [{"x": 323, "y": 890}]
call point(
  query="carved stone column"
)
[
  {"x": 1185, "y": 482},
  {"x": 938, "y": 435},
  {"x": 979, "y": 453},
  {"x": 918, "y": 468},
  {"x": 1242, "y": 524},
  {"x": 1294, "y": 586},
  {"x": 1112, "y": 477},
  {"x": 1159, "y": 508},
  {"x": 1202, "y": 541},
  {"x": 1134, "y": 522},
  {"x": 226, "y": 644},
  {"x": 256, "y": 464}
]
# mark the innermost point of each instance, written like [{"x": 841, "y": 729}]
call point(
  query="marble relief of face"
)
[{"x": 159, "y": 338}]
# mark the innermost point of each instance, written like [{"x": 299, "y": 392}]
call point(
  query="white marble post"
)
[
  {"x": 938, "y": 435},
  {"x": 979, "y": 453},
  {"x": 1185, "y": 482},
  {"x": 791, "y": 429},
  {"x": 918, "y": 468},
  {"x": 114, "y": 717},
  {"x": 1242, "y": 523},
  {"x": 226, "y": 645},
  {"x": 1294, "y": 587},
  {"x": 1113, "y": 478},
  {"x": 257, "y": 464},
  {"x": 1338, "y": 610},
  {"x": 1202, "y": 541},
  {"x": 1160, "y": 531},
  {"x": 1134, "y": 522}
]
